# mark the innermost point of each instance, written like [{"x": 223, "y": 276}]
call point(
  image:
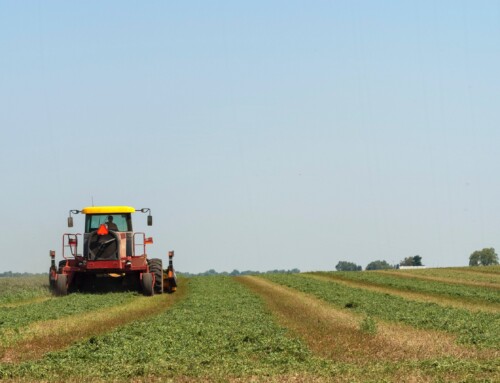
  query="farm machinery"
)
[{"x": 112, "y": 255}]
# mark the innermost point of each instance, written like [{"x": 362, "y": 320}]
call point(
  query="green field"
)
[{"x": 317, "y": 327}]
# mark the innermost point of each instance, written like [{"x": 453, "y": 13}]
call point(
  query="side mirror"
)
[
  {"x": 150, "y": 220},
  {"x": 70, "y": 221}
]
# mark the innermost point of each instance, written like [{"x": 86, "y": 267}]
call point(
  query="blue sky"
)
[{"x": 262, "y": 135}]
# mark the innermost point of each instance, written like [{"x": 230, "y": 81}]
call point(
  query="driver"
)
[{"x": 111, "y": 224}]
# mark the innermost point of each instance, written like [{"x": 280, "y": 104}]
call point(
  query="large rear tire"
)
[
  {"x": 61, "y": 265},
  {"x": 147, "y": 284},
  {"x": 62, "y": 285},
  {"x": 52, "y": 282},
  {"x": 156, "y": 267}
]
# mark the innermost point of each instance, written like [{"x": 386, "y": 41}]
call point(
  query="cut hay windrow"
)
[
  {"x": 338, "y": 334},
  {"x": 376, "y": 284},
  {"x": 39, "y": 338},
  {"x": 490, "y": 286},
  {"x": 427, "y": 285},
  {"x": 479, "y": 276},
  {"x": 16, "y": 321},
  {"x": 475, "y": 328}
]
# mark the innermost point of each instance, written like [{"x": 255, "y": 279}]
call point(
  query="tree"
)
[
  {"x": 378, "y": 265},
  {"x": 347, "y": 266},
  {"x": 412, "y": 261},
  {"x": 408, "y": 261},
  {"x": 417, "y": 260},
  {"x": 484, "y": 257}
]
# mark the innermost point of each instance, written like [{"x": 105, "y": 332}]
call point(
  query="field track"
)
[{"x": 324, "y": 327}]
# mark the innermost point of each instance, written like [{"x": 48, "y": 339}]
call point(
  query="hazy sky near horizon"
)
[{"x": 263, "y": 135}]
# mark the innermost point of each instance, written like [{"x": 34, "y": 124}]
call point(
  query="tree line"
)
[
  {"x": 379, "y": 264},
  {"x": 7, "y": 274},
  {"x": 484, "y": 257},
  {"x": 237, "y": 272}
]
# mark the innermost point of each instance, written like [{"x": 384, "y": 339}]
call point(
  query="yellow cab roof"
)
[{"x": 107, "y": 209}]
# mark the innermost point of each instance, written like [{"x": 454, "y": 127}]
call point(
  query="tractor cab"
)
[
  {"x": 113, "y": 221},
  {"x": 108, "y": 233}
]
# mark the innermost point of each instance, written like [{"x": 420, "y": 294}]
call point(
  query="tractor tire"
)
[
  {"x": 147, "y": 284},
  {"x": 156, "y": 267},
  {"x": 52, "y": 283},
  {"x": 61, "y": 265},
  {"x": 62, "y": 285}
]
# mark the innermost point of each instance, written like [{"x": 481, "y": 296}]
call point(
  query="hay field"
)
[{"x": 430, "y": 325}]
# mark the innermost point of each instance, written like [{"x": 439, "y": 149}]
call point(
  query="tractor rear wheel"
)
[
  {"x": 52, "y": 282},
  {"x": 147, "y": 284},
  {"x": 61, "y": 264},
  {"x": 62, "y": 284},
  {"x": 156, "y": 267}
]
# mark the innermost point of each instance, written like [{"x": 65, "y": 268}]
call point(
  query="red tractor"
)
[{"x": 113, "y": 254}]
